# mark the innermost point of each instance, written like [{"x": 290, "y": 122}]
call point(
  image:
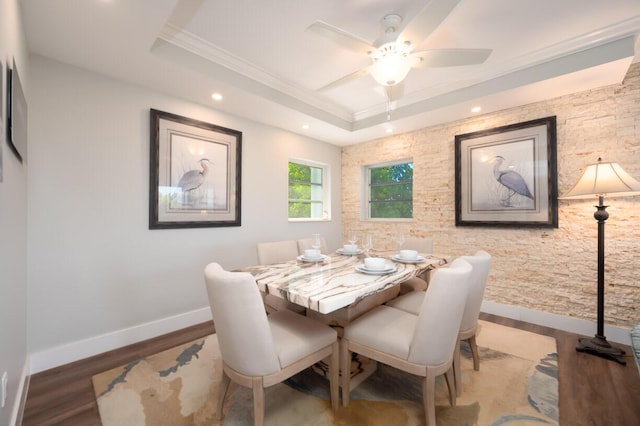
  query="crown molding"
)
[{"x": 201, "y": 47}]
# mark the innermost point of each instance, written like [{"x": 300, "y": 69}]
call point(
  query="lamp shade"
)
[
  {"x": 391, "y": 66},
  {"x": 601, "y": 179}
]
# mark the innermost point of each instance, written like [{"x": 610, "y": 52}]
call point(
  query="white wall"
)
[
  {"x": 13, "y": 222},
  {"x": 94, "y": 266}
]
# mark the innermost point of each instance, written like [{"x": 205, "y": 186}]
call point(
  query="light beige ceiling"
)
[{"x": 260, "y": 56}]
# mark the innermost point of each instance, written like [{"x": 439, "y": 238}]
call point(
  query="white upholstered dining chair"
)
[
  {"x": 422, "y": 344},
  {"x": 307, "y": 243},
  {"x": 260, "y": 350},
  {"x": 411, "y": 302},
  {"x": 278, "y": 252},
  {"x": 424, "y": 246}
]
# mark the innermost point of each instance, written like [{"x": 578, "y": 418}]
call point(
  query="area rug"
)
[{"x": 517, "y": 385}]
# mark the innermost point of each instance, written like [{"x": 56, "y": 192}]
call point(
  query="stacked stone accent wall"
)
[{"x": 550, "y": 270}]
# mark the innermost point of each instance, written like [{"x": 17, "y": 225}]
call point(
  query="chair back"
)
[
  {"x": 307, "y": 243},
  {"x": 241, "y": 324},
  {"x": 436, "y": 332},
  {"x": 277, "y": 252},
  {"x": 423, "y": 245},
  {"x": 480, "y": 264}
]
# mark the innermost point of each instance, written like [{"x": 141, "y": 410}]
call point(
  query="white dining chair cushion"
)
[
  {"x": 307, "y": 243},
  {"x": 480, "y": 262},
  {"x": 277, "y": 252},
  {"x": 295, "y": 336},
  {"x": 386, "y": 329},
  {"x": 260, "y": 351},
  {"x": 441, "y": 314},
  {"x": 235, "y": 292},
  {"x": 410, "y": 302},
  {"x": 423, "y": 245}
]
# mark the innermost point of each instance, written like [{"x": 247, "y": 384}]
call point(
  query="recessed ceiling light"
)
[
  {"x": 389, "y": 130},
  {"x": 476, "y": 109},
  {"x": 216, "y": 97},
  {"x": 305, "y": 126}
]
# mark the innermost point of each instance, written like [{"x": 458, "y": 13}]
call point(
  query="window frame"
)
[
  {"x": 326, "y": 190},
  {"x": 365, "y": 212}
]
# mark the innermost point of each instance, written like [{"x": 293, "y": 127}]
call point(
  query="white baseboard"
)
[
  {"x": 573, "y": 325},
  {"x": 21, "y": 396},
  {"x": 60, "y": 355},
  {"x": 75, "y": 351}
]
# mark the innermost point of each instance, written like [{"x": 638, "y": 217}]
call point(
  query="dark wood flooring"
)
[{"x": 593, "y": 391}]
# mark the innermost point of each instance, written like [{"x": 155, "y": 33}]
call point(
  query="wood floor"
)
[{"x": 593, "y": 391}]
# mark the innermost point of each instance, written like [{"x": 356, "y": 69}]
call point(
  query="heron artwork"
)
[
  {"x": 511, "y": 180},
  {"x": 193, "y": 179}
]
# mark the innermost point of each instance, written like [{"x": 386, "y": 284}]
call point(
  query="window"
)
[
  {"x": 308, "y": 192},
  {"x": 390, "y": 190}
]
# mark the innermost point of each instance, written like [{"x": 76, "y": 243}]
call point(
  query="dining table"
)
[
  {"x": 336, "y": 288},
  {"x": 335, "y": 280}
]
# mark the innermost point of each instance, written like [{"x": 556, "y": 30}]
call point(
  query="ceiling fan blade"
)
[
  {"x": 341, "y": 37},
  {"x": 346, "y": 79},
  {"x": 394, "y": 92},
  {"x": 427, "y": 20},
  {"x": 449, "y": 57}
]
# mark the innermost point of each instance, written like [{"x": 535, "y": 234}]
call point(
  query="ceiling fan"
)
[{"x": 392, "y": 55}]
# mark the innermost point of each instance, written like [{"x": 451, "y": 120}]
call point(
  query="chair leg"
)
[
  {"x": 345, "y": 366},
  {"x": 451, "y": 385},
  {"x": 222, "y": 393},
  {"x": 258, "y": 402},
  {"x": 334, "y": 375},
  {"x": 457, "y": 369},
  {"x": 474, "y": 352},
  {"x": 429, "y": 398}
]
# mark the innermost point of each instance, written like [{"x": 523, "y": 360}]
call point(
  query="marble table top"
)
[{"x": 335, "y": 282}]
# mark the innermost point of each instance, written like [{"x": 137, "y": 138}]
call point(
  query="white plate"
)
[
  {"x": 349, "y": 253},
  {"x": 387, "y": 270},
  {"x": 397, "y": 258},
  {"x": 304, "y": 258}
]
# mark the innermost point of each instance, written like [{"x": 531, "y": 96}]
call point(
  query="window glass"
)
[
  {"x": 308, "y": 193},
  {"x": 390, "y": 190}
]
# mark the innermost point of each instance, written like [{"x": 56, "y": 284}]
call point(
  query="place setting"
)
[
  {"x": 313, "y": 255},
  {"x": 349, "y": 250},
  {"x": 376, "y": 266},
  {"x": 352, "y": 248},
  {"x": 408, "y": 256}
]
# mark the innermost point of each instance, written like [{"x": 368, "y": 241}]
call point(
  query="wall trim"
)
[
  {"x": 74, "y": 351},
  {"x": 21, "y": 396},
  {"x": 573, "y": 325},
  {"x": 60, "y": 355}
]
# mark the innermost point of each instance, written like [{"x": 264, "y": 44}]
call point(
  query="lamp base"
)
[{"x": 599, "y": 346}]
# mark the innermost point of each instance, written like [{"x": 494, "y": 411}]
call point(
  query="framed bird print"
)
[
  {"x": 507, "y": 176},
  {"x": 195, "y": 170}
]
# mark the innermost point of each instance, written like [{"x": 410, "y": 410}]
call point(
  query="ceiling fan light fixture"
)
[{"x": 390, "y": 66}]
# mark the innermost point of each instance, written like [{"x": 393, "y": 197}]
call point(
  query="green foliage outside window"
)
[
  {"x": 305, "y": 191},
  {"x": 391, "y": 191}
]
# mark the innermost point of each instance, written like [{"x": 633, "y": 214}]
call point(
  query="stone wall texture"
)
[{"x": 545, "y": 269}]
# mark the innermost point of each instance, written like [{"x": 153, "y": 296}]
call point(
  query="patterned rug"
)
[{"x": 517, "y": 385}]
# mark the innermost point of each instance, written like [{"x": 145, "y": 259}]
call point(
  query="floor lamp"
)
[{"x": 598, "y": 180}]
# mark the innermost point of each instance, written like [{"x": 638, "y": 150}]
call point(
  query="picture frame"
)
[
  {"x": 16, "y": 114},
  {"x": 2, "y": 102},
  {"x": 195, "y": 173},
  {"x": 507, "y": 176}
]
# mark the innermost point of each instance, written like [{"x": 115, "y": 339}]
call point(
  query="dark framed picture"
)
[
  {"x": 195, "y": 171},
  {"x": 2, "y": 101},
  {"x": 507, "y": 176},
  {"x": 16, "y": 114}
]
